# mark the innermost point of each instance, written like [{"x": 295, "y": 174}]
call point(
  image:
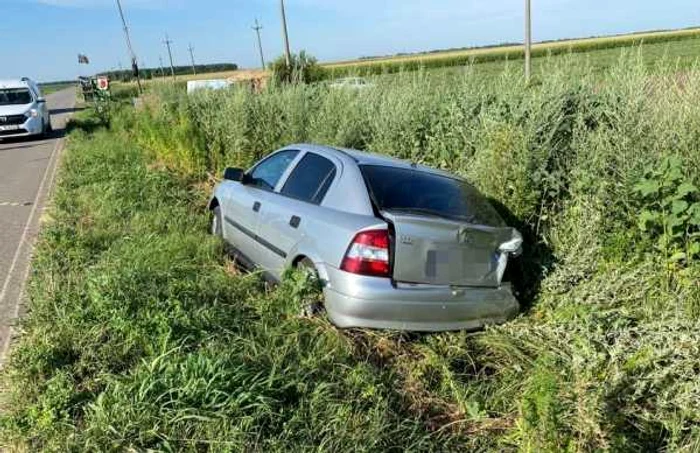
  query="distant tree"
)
[
  {"x": 147, "y": 73},
  {"x": 303, "y": 68}
]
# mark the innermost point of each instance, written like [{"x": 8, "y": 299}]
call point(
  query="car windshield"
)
[
  {"x": 408, "y": 191},
  {"x": 15, "y": 96}
]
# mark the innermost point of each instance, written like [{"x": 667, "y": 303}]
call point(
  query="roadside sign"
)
[{"x": 103, "y": 83}]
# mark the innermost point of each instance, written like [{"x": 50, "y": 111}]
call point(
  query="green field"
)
[
  {"x": 141, "y": 335},
  {"x": 48, "y": 88},
  {"x": 677, "y": 44},
  {"x": 681, "y": 54},
  {"x": 681, "y": 47}
]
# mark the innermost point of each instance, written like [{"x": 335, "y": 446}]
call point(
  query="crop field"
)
[
  {"x": 142, "y": 335},
  {"x": 684, "y": 42},
  {"x": 678, "y": 46}
]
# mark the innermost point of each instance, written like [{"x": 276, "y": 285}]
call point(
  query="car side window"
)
[
  {"x": 267, "y": 173},
  {"x": 310, "y": 179}
]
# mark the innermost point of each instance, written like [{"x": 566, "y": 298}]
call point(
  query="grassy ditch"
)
[{"x": 141, "y": 334}]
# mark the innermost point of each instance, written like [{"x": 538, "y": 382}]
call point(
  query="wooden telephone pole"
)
[
  {"x": 528, "y": 39},
  {"x": 287, "y": 53},
  {"x": 191, "y": 49},
  {"x": 167, "y": 42},
  {"x": 132, "y": 54},
  {"x": 257, "y": 29}
]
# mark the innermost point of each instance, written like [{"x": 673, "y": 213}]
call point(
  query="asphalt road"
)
[{"x": 27, "y": 171}]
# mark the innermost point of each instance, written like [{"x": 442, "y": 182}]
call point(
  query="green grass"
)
[
  {"x": 49, "y": 88},
  {"x": 141, "y": 335}
]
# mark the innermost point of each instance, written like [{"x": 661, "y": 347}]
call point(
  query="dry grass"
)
[
  {"x": 237, "y": 75},
  {"x": 240, "y": 75}
]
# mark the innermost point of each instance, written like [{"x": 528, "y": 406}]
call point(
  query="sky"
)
[{"x": 43, "y": 37}]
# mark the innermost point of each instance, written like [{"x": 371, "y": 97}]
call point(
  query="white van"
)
[{"x": 23, "y": 109}]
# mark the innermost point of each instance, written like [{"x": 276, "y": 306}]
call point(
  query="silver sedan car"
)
[{"x": 395, "y": 244}]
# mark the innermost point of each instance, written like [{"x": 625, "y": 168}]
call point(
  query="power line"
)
[
  {"x": 191, "y": 49},
  {"x": 132, "y": 54},
  {"x": 287, "y": 53},
  {"x": 528, "y": 39},
  {"x": 167, "y": 42},
  {"x": 257, "y": 29}
]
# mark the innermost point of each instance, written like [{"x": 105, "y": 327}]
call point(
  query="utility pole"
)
[
  {"x": 191, "y": 49},
  {"x": 162, "y": 72},
  {"x": 132, "y": 54},
  {"x": 287, "y": 56},
  {"x": 167, "y": 42},
  {"x": 528, "y": 39},
  {"x": 257, "y": 29}
]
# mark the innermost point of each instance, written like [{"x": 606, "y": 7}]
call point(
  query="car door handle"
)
[
  {"x": 294, "y": 221},
  {"x": 256, "y": 206}
]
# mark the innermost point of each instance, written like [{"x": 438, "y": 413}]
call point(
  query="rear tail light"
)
[{"x": 368, "y": 254}]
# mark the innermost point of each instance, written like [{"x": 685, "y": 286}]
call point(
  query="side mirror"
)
[
  {"x": 234, "y": 174},
  {"x": 41, "y": 101}
]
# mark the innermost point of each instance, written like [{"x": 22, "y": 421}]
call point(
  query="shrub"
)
[
  {"x": 670, "y": 212},
  {"x": 302, "y": 68}
]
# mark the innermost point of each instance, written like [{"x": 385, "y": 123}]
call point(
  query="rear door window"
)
[
  {"x": 310, "y": 179},
  {"x": 408, "y": 191},
  {"x": 267, "y": 173}
]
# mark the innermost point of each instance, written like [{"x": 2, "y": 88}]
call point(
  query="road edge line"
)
[{"x": 49, "y": 175}]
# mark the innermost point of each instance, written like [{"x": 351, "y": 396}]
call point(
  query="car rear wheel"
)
[
  {"x": 216, "y": 227},
  {"x": 312, "y": 305}
]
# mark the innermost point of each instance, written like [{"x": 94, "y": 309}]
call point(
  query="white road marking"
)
[
  {"x": 49, "y": 173},
  {"x": 15, "y": 204}
]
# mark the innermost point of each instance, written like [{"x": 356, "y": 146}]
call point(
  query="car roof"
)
[
  {"x": 16, "y": 83},
  {"x": 367, "y": 158}
]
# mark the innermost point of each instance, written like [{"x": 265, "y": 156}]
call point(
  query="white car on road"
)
[
  {"x": 356, "y": 83},
  {"x": 23, "y": 109}
]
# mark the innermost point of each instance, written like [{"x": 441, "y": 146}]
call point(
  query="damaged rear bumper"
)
[{"x": 358, "y": 301}]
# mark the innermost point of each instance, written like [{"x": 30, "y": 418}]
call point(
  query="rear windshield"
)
[
  {"x": 408, "y": 191},
  {"x": 15, "y": 96}
]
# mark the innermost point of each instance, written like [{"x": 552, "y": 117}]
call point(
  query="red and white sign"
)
[{"x": 103, "y": 83}]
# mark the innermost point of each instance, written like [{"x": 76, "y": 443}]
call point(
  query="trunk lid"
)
[{"x": 441, "y": 251}]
